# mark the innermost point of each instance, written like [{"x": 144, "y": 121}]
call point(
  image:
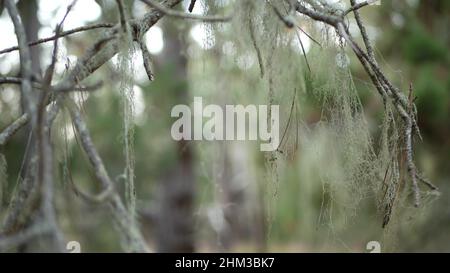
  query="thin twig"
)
[
  {"x": 146, "y": 58},
  {"x": 62, "y": 34},
  {"x": 363, "y": 29},
  {"x": 191, "y": 5},
  {"x": 60, "y": 88},
  {"x": 357, "y": 6},
  {"x": 309, "y": 36},
  {"x": 174, "y": 13},
  {"x": 122, "y": 15},
  {"x": 256, "y": 46},
  {"x": 289, "y": 119},
  {"x": 48, "y": 76},
  {"x": 303, "y": 50},
  {"x": 426, "y": 182},
  {"x": 98, "y": 198}
]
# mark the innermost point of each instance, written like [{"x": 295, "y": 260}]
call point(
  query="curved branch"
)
[{"x": 129, "y": 231}]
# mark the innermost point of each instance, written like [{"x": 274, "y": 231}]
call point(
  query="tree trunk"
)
[{"x": 175, "y": 220}]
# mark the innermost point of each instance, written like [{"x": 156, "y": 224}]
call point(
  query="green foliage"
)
[
  {"x": 420, "y": 47},
  {"x": 433, "y": 95}
]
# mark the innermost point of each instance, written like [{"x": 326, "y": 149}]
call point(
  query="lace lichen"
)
[{"x": 126, "y": 90}]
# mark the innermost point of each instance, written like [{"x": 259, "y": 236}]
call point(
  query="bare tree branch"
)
[
  {"x": 256, "y": 46},
  {"x": 122, "y": 15},
  {"x": 38, "y": 85},
  {"x": 62, "y": 34},
  {"x": 363, "y": 29},
  {"x": 356, "y": 6},
  {"x": 98, "y": 198},
  {"x": 9, "y": 131},
  {"x": 129, "y": 231},
  {"x": 427, "y": 182},
  {"x": 146, "y": 58},
  {"x": 25, "y": 59}
]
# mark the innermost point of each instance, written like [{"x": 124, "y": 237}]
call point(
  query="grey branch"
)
[
  {"x": 146, "y": 57},
  {"x": 427, "y": 182},
  {"x": 25, "y": 58},
  {"x": 122, "y": 15},
  {"x": 356, "y": 7},
  {"x": 362, "y": 29},
  {"x": 62, "y": 88},
  {"x": 23, "y": 236},
  {"x": 62, "y": 34},
  {"x": 9, "y": 131}
]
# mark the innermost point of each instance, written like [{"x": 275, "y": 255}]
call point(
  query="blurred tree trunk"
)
[
  {"x": 243, "y": 221},
  {"x": 430, "y": 11},
  {"x": 175, "y": 227},
  {"x": 28, "y": 11},
  {"x": 230, "y": 194}
]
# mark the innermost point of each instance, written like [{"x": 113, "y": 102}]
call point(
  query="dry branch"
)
[
  {"x": 174, "y": 13},
  {"x": 129, "y": 230},
  {"x": 25, "y": 58},
  {"x": 62, "y": 34}
]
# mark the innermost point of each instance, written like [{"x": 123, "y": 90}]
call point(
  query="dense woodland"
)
[{"x": 87, "y": 161}]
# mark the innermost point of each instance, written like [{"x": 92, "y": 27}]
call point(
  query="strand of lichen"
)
[
  {"x": 3, "y": 180},
  {"x": 127, "y": 95}
]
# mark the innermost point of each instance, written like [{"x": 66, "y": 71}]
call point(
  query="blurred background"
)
[{"x": 228, "y": 196}]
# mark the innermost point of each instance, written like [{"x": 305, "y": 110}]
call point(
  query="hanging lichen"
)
[
  {"x": 3, "y": 180},
  {"x": 351, "y": 168},
  {"x": 126, "y": 69}
]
